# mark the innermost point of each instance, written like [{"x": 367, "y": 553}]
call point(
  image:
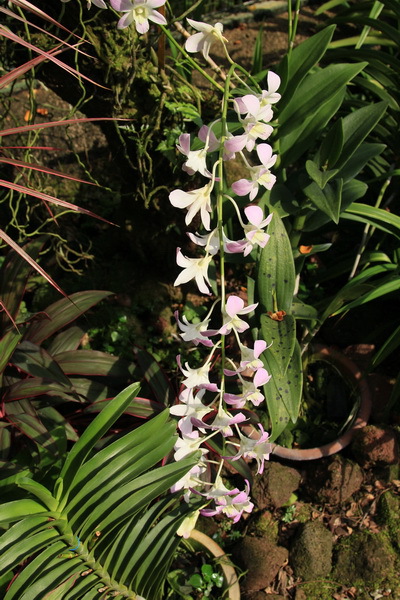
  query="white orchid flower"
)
[
  {"x": 202, "y": 41},
  {"x": 139, "y": 12}
]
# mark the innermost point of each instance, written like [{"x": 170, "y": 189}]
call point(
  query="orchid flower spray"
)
[
  {"x": 214, "y": 392},
  {"x": 216, "y": 388}
]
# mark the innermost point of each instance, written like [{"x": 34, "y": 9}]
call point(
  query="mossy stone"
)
[
  {"x": 311, "y": 552},
  {"x": 265, "y": 525},
  {"x": 364, "y": 557}
]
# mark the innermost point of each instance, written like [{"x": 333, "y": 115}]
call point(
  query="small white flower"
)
[
  {"x": 202, "y": 41},
  {"x": 139, "y": 12},
  {"x": 195, "y": 201},
  {"x": 233, "y": 308},
  {"x": 194, "y": 268},
  {"x": 194, "y": 377}
]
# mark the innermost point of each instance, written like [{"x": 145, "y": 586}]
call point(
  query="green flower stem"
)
[
  {"x": 220, "y": 216},
  {"x": 191, "y": 61}
]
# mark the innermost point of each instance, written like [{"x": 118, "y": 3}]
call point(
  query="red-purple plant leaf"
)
[
  {"x": 5, "y": 440},
  {"x": 94, "y": 362},
  {"x": 47, "y": 198},
  {"x": 70, "y": 339},
  {"x": 37, "y": 362},
  {"x": 18, "y": 40},
  {"x": 91, "y": 390},
  {"x": 7, "y": 346},
  {"x": 8, "y": 78},
  {"x": 24, "y": 417},
  {"x": 14, "y": 275},
  {"x": 42, "y": 169},
  {"x": 29, "y": 260},
  {"x": 155, "y": 377},
  {"x": 49, "y": 413},
  {"x": 32, "y": 387},
  {"x": 35, "y": 10},
  {"x": 24, "y": 128},
  {"x": 139, "y": 407},
  {"x": 63, "y": 312}
]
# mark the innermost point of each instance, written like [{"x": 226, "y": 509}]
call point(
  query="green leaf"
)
[
  {"x": 155, "y": 377},
  {"x": 94, "y": 432},
  {"x": 139, "y": 407},
  {"x": 315, "y": 91},
  {"x": 62, "y": 312},
  {"x": 332, "y": 145},
  {"x": 377, "y": 217},
  {"x": 299, "y": 140},
  {"x": 302, "y": 59},
  {"x": 327, "y": 200},
  {"x": 321, "y": 178},
  {"x": 280, "y": 337},
  {"x": 24, "y": 416},
  {"x": 276, "y": 274},
  {"x": 283, "y": 393},
  {"x": 38, "y": 490},
  {"x": 356, "y": 126},
  {"x": 18, "y": 509},
  {"x": 25, "y": 547},
  {"x": 364, "y": 153}
]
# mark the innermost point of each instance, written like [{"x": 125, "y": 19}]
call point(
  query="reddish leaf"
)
[
  {"x": 139, "y": 407},
  {"x": 42, "y": 196},
  {"x": 42, "y": 169},
  {"x": 63, "y": 312},
  {"x": 31, "y": 387},
  {"x": 23, "y": 416},
  {"x": 69, "y": 339},
  {"x": 94, "y": 362},
  {"x": 37, "y": 362},
  {"x": 7, "y": 346}
]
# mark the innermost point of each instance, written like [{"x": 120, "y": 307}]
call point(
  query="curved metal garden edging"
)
[
  {"x": 351, "y": 371},
  {"x": 230, "y": 576}
]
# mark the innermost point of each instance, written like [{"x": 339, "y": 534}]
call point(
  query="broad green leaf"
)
[
  {"x": 25, "y": 547},
  {"x": 364, "y": 153},
  {"x": 22, "y": 529},
  {"x": 379, "y": 289},
  {"x": 301, "y": 61},
  {"x": 276, "y": 274},
  {"x": 304, "y": 311},
  {"x": 321, "y": 178},
  {"x": 32, "y": 571},
  {"x": 315, "y": 91},
  {"x": 94, "y": 432},
  {"x": 18, "y": 509},
  {"x": 389, "y": 346},
  {"x": 331, "y": 146},
  {"x": 57, "y": 572},
  {"x": 62, "y": 312},
  {"x": 280, "y": 337},
  {"x": 299, "y": 140},
  {"x": 327, "y": 200},
  {"x": 356, "y": 126},
  {"x": 377, "y": 217},
  {"x": 38, "y": 490}
]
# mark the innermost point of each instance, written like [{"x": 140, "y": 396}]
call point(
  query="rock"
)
[
  {"x": 363, "y": 557},
  {"x": 262, "y": 560},
  {"x": 311, "y": 552},
  {"x": 264, "y": 525},
  {"x": 375, "y": 446},
  {"x": 333, "y": 480},
  {"x": 275, "y": 486}
]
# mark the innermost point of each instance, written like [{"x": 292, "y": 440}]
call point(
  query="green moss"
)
[
  {"x": 316, "y": 590},
  {"x": 367, "y": 561},
  {"x": 266, "y": 526},
  {"x": 388, "y": 515}
]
